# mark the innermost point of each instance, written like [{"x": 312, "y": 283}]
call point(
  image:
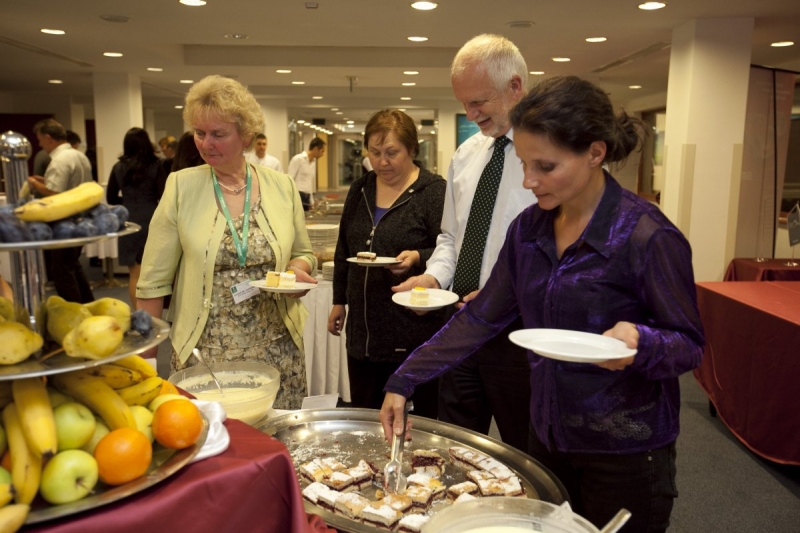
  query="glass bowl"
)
[{"x": 248, "y": 388}]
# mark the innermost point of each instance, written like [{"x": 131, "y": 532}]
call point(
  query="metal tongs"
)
[
  {"x": 200, "y": 358},
  {"x": 394, "y": 481}
]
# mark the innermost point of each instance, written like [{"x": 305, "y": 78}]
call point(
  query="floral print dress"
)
[{"x": 253, "y": 330}]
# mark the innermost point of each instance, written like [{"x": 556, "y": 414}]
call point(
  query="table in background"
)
[
  {"x": 252, "y": 486},
  {"x": 751, "y": 364},
  {"x": 326, "y": 354},
  {"x": 742, "y": 269}
]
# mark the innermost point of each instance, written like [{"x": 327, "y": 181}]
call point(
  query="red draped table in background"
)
[
  {"x": 751, "y": 365},
  {"x": 250, "y": 487},
  {"x": 742, "y": 269}
]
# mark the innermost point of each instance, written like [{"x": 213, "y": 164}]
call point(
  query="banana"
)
[
  {"x": 135, "y": 362},
  {"x": 97, "y": 396},
  {"x": 62, "y": 205},
  {"x": 116, "y": 377},
  {"x": 141, "y": 393},
  {"x": 5, "y": 393},
  {"x": 26, "y": 468},
  {"x": 6, "y": 493},
  {"x": 36, "y": 416},
  {"x": 12, "y": 517}
]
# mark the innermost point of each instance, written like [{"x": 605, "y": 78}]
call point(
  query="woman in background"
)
[
  {"x": 137, "y": 182},
  {"x": 186, "y": 155}
]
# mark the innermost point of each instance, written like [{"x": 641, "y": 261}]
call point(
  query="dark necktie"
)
[{"x": 468, "y": 267}]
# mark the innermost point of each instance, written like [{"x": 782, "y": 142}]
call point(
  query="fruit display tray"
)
[
  {"x": 130, "y": 227},
  {"x": 352, "y": 434},
  {"x": 165, "y": 462},
  {"x": 132, "y": 343}
]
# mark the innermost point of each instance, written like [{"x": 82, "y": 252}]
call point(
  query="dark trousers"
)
[
  {"x": 305, "y": 199},
  {"x": 66, "y": 272},
  {"x": 367, "y": 379},
  {"x": 494, "y": 381},
  {"x": 600, "y": 484}
]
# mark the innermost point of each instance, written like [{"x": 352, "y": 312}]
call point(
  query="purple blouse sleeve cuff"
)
[{"x": 399, "y": 385}]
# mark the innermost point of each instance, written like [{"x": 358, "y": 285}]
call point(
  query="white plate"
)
[
  {"x": 572, "y": 346},
  {"x": 437, "y": 299},
  {"x": 299, "y": 286},
  {"x": 379, "y": 261}
]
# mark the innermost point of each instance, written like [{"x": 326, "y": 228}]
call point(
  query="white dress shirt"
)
[
  {"x": 304, "y": 172},
  {"x": 68, "y": 168},
  {"x": 267, "y": 161},
  {"x": 462, "y": 181}
]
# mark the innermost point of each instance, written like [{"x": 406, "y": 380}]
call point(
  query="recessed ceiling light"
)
[
  {"x": 301, "y": 121},
  {"x": 55, "y": 82},
  {"x": 417, "y": 39},
  {"x": 561, "y": 59},
  {"x": 351, "y": 121},
  {"x": 424, "y": 6},
  {"x": 409, "y": 84},
  {"x": 334, "y": 109},
  {"x": 316, "y": 98},
  {"x": 112, "y": 54},
  {"x": 312, "y": 5},
  {"x": 52, "y": 32},
  {"x": 634, "y": 86},
  {"x": 596, "y": 39},
  {"x": 403, "y": 109},
  {"x": 178, "y": 107},
  {"x": 405, "y": 98},
  {"x": 298, "y": 83},
  {"x": 283, "y": 71},
  {"x": 236, "y": 36},
  {"x": 187, "y": 81},
  {"x": 411, "y": 72},
  {"x": 155, "y": 69},
  {"x": 652, "y": 6},
  {"x": 192, "y": 3},
  {"x": 339, "y": 113},
  {"x": 781, "y": 44},
  {"x": 536, "y": 72}
]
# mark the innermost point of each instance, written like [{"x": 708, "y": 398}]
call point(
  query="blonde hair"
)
[
  {"x": 500, "y": 58},
  {"x": 228, "y": 99}
]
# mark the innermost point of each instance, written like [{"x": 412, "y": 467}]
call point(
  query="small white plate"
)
[
  {"x": 299, "y": 286},
  {"x": 379, "y": 261},
  {"x": 437, "y": 299},
  {"x": 571, "y": 346}
]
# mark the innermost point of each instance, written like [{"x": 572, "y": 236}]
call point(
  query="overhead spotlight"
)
[
  {"x": 55, "y": 82},
  {"x": 192, "y": 3},
  {"x": 339, "y": 113},
  {"x": 178, "y": 107},
  {"x": 634, "y": 86},
  {"x": 187, "y": 81},
  {"x": 351, "y": 121},
  {"x": 155, "y": 69},
  {"x": 316, "y": 98},
  {"x": 52, "y": 32},
  {"x": 112, "y": 54},
  {"x": 536, "y": 72},
  {"x": 236, "y": 36},
  {"x": 405, "y": 98},
  {"x": 298, "y": 83},
  {"x": 424, "y": 6},
  {"x": 409, "y": 84},
  {"x": 334, "y": 109},
  {"x": 781, "y": 44},
  {"x": 411, "y": 72},
  {"x": 417, "y": 39},
  {"x": 283, "y": 71},
  {"x": 596, "y": 39},
  {"x": 561, "y": 59},
  {"x": 652, "y": 6}
]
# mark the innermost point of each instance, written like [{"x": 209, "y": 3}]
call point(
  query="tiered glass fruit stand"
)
[{"x": 28, "y": 283}]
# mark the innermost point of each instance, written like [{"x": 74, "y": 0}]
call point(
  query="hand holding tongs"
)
[{"x": 393, "y": 479}]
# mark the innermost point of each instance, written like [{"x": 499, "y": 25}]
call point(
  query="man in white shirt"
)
[
  {"x": 488, "y": 76},
  {"x": 259, "y": 155},
  {"x": 303, "y": 168},
  {"x": 68, "y": 168}
]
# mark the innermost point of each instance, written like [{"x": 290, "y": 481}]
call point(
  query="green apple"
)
[
  {"x": 144, "y": 420},
  {"x": 5, "y": 476},
  {"x": 57, "y": 397},
  {"x": 75, "y": 425},
  {"x": 100, "y": 431},
  {"x": 164, "y": 398},
  {"x": 68, "y": 476}
]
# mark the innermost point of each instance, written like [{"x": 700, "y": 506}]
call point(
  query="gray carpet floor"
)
[{"x": 723, "y": 487}]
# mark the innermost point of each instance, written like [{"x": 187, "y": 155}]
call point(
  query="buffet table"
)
[
  {"x": 326, "y": 354},
  {"x": 751, "y": 363},
  {"x": 743, "y": 269},
  {"x": 250, "y": 487}
]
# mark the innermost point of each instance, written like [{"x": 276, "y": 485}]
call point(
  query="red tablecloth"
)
[
  {"x": 766, "y": 270},
  {"x": 751, "y": 365},
  {"x": 251, "y": 487}
]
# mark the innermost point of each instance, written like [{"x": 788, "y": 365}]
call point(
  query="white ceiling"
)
[{"x": 365, "y": 39}]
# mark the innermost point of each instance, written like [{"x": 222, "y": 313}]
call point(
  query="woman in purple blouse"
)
[{"x": 589, "y": 256}]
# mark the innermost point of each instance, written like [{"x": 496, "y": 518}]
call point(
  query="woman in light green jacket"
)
[{"x": 217, "y": 227}]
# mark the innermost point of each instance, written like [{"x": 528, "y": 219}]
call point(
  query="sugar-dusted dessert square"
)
[
  {"x": 412, "y": 523},
  {"x": 381, "y": 515},
  {"x": 466, "y": 487},
  {"x": 428, "y": 463},
  {"x": 466, "y": 458},
  {"x": 436, "y": 487},
  {"x": 351, "y": 505}
]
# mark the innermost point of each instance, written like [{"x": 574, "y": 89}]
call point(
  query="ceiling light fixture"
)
[
  {"x": 634, "y": 86},
  {"x": 112, "y": 54},
  {"x": 316, "y": 98},
  {"x": 403, "y": 109},
  {"x": 781, "y": 44},
  {"x": 405, "y": 98},
  {"x": 340, "y": 113},
  {"x": 424, "y": 6},
  {"x": 283, "y": 71},
  {"x": 561, "y": 59},
  {"x": 351, "y": 126},
  {"x": 536, "y": 72},
  {"x": 178, "y": 107},
  {"x": 652, "y": 6},
  {"x": 312, "y": 5},
  {"x": 187, "y": 81},
  {"x": 52, "y": 32},
  {"x": 301, "y": 121},
  {"x": 334, "y": 109},
  {"x": 417, "y": 39},
  {"x": 298, "y": 83},
  {"x": 236, "y": 36},
  {"x": 408, "y": 84},
  {"x": 155, "y": 69},
  {"x": 351, "y": 121},
  {"x": 55, "y": 82},
  {"x": 596, "y": 39},
  {"x": 411, "y": 72},
  {"x": 192, "y": 3}
]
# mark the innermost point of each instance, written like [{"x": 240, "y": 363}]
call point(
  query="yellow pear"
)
[
  {"x": 95, "y": 338},
  {"x": 6, "y": 308},
  {"x": 63, "y": 317},
  {"x": 112, "y": 307},
  {"x": 18, "y": 342}
]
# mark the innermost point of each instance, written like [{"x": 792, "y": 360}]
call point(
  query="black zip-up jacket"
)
[{"x": 377, "y": 328}]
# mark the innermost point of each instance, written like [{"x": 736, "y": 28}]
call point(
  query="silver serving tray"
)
[
  {"x": 132, "y": 343},
  {"x": 353, "y": 434},
  {"x": 130, "y": 227},
  {"x": 165, "y": 463}
]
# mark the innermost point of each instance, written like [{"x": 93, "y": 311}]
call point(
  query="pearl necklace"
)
[{"x": 231, "y": 189}]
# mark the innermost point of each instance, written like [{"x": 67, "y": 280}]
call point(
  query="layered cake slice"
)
[
  {"x": 362, "y": 475},
  {"x": 273, "y": 278},
  {"x": 419, "y": 296},
  {"x": 366, "y": 256},
  {"x": 436, "y": 487},
  {"x": 496, "y": 468},
  {"x": 340, "y": 481},
  {"x": 512, "y": 487},
  {"x": 464, "y": 498},
  {"x": 319, "y": 468},
  {"x": 351, "y": 505},
  {"x": 412, "y": 523},
  {"x": 287, "y": 280},
  {"x": 466, "y": 458},
  {"x": 488, "y": 485},
  {"x": 427, "y": 462},
  {"x": 313, "y": 492},
  {"x": 398, "y": 502},
  {"x": 467, "y": 487},
  {"x": 421, "y": 498},
  {"x": 380, "y": 515}
]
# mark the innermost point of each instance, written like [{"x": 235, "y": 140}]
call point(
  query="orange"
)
[
  {"x": 123, "y": 455},
  {"x": 168, "y": 388},
  {"x": 177, "y": 424}
]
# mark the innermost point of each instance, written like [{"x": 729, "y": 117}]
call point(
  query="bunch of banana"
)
[
  {"x": 26, "y": 467},
  {"x": 12, "y": 517},
  {"x": 36, "y": 416},
  {"x": 135, "y": 362},
  {"x": 142, "y": 393},
  {"x": 62, "y": 205},
  {"x": 117, "y": 377},
  {"x": 95, "y": 394}
]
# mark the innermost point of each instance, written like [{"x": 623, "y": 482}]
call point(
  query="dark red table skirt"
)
[
  {"x": 751, "y": 364},
  {"x": 742, "y": 269},
  {"x": 251, "y": 487}
]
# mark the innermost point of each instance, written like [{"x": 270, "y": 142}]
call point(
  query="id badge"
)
[{"x": 243, "y": 291}]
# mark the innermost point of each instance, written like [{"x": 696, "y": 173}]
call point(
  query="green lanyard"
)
[{"x": 240, "y": 244}]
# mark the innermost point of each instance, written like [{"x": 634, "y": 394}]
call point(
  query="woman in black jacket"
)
[{"x": 393, "y": 211}]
